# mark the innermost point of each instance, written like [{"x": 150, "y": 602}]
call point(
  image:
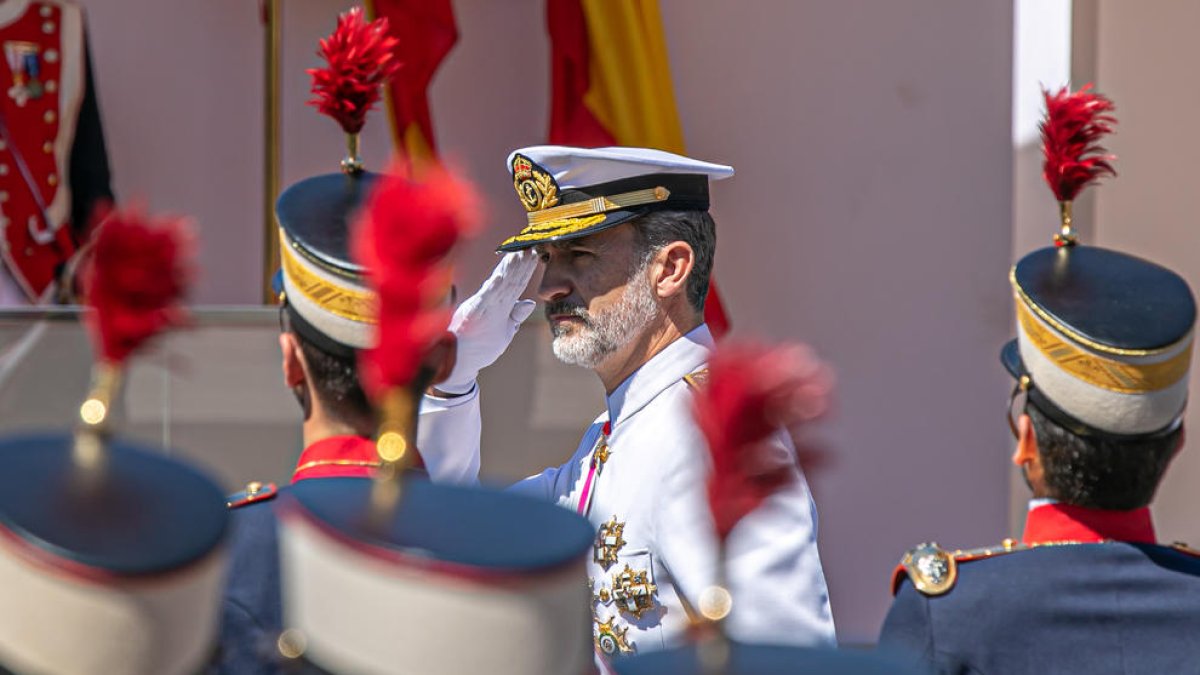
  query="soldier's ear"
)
[
  {"x": 293, "y": 360},
  {"x": 1027, "y": 447},
  {"x": 675, "y": 263}
]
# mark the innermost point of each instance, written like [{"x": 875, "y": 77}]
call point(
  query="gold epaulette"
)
[
  {"x": 697, "y": 379},
  {"x": 933, "y": 570},
  {"x": 1184, "y": 548},
  {"x": 255, "y": 492}
]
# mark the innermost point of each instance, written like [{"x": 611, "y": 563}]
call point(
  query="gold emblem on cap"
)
[{"x": 534, "y": 186}]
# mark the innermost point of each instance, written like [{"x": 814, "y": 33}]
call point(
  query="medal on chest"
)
[
  {"x": 25, "y": 64},
  {"x": 608, "y": 543}
]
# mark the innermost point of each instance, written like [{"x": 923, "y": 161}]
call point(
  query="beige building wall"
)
[{"x": 871, "y": 216}]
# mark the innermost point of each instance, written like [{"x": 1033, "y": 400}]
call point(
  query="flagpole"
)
[{"x": 272, "y": 39}]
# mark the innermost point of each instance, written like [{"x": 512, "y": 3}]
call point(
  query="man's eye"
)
[
  {"x": 544, "y": 257},
  {"x": 579, "y": 253}
]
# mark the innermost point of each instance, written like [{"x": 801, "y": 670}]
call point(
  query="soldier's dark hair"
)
[
  {"x": 334, "y": 379},
  {"x": 696, "y": 228},
  {"x": 1101, "y": 473}
]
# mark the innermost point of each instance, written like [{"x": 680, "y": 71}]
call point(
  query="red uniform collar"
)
[
  {"x": 1064, "y": 522},
  {"x": 341, "y": 457}
]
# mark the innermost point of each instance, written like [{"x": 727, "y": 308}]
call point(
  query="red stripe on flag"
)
[
  {"x": 427, "y": 32},
  {"x": 714, "y": 311},
  {"x": 571, "y": 122}
]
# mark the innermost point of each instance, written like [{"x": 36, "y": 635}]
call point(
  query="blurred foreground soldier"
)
[
  {"x": 750, "y": 391},
  {"x": 627, "y": 244},
  {"x": 328, "y": 316},
  {"x": 1104, "y": 342},
  {"x": 111, "y": 555},
  {"x": 53, "y": 163},
  {"x": 401, "y": 575}
]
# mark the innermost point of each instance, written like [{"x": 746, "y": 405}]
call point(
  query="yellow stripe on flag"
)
[{"x": 631, "y": 91}]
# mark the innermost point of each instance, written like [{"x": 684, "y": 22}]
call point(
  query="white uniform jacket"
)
[
  {"x": 656, "y": 548},
  {"x": 448, "y": 437}
]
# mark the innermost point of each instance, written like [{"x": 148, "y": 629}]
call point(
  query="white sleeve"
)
[
  {"x": 772, "y": 567},
  {"x": 557, "y": 483},
  {"x": 542, "y": 485},
  {"x": 448, "y": 433}
]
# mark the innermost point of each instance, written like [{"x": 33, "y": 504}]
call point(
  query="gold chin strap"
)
[{"x": 598, "y": 205}]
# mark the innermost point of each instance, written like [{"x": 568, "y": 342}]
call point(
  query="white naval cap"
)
[{"x": 574, "y": 192}]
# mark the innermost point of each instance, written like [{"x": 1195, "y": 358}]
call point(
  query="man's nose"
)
[{"x": 554, "y": 285}]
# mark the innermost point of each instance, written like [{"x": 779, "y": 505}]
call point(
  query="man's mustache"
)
[{"x": 565, "y": 307}]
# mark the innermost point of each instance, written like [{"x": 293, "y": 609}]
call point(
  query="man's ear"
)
[
  {"x": 294, "y": 372},
  {"x": 674, "y": 264},
  {"x": 1027, "y": 447},
  {"x": 441, "y": 357}
]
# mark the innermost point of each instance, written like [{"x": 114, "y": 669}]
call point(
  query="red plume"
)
[
  {"x": 752, "y": 392},
  {"x": 135, "y": 280},
  {"x": 360, "y": 58},
  {"x": 1071, "y": 131},
  {"x": 402, "y": 237}
]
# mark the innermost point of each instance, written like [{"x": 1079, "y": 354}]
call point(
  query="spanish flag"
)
[
  {"x": 611, "y": 85},
  {"x": 427, "y": 32}
]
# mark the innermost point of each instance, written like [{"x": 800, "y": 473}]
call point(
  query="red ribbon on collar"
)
[{"x": 1064, "y": 522}]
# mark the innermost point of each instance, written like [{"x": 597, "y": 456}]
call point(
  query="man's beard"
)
[{"x": 598, "y": 334}]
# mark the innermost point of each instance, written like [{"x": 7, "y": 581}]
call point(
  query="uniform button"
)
[
  {"x": 28, "y": 251},
  {"x": 52, "y": 179},
  {"x": 51, "y": 56},
  {"x": 51, "y": 86},
  {"x": 3, "y": 169},
  {"x": 45, "y": 11},
  {"x": 3, "y": 146},
  {"x": 48, "y": 27},
  {"x": 50, "y": 117},
  {"x": 47, "y": 147},
  {"x": 3, "y": 195}
]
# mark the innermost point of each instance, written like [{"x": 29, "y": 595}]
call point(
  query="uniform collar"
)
[
  {"x": 337, "y": 457},
  {"x": 1064, "y": 522},
  {"x": 683, "y": 356}
]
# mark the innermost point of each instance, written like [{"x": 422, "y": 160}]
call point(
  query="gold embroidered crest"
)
[{"x": 536, "y": 188}]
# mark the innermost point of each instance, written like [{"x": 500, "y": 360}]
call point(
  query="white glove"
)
[{"x": 487, "y": 321}]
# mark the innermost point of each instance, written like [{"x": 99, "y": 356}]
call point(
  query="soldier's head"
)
[
  {"x": 1101, "y": 359},
  {"x": 326, "y": 313},
  {"x": 626, "y": 240},
  {"x": 324, "y": 381},
  {"x": 1091, "y": 471}
]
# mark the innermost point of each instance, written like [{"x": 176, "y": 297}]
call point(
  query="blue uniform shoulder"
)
[
  {"x": 255, "y": 492},
  {"x": 933, "y": 570}
]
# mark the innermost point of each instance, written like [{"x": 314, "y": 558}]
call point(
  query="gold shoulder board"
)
[
  {"x": 1184, "y": 548},
  {"x": 698, "y": 379},
  {"x": 931, "y": 569},
  {"x": 934, "y": 570},
  {"x": 255, "y": 492}
]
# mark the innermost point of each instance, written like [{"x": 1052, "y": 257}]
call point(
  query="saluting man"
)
[
  {"x": 53, "y": 163},
  {"x": 627, "y": 246},
  {"x": 1101, "y": 361}
]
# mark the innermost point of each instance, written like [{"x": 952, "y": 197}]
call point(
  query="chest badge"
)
[
  {"x": 610, "y": 639},
  {"x": 634, "y": 591},
  {"x": 609, "y": 541},
  {"x": 25, "y": 64}
]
